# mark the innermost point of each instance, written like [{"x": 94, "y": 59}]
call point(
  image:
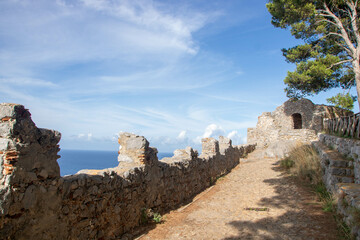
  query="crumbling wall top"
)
[
  {"x": 135, "y": 149},
  {"x": 26, "y": 150}
]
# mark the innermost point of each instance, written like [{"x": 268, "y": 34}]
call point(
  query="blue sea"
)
[{"x": 72, "y": 161}]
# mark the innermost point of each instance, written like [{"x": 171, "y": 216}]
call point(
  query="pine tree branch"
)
[
  {"x": 338, "y": 63},
  {"x": 350, "y": 54},
  {"x": 344, "y": 33},
  {"x": 354, "y": 19},
  {"x": 325, "y": 20},
  {"x": 348, "y": 51}
]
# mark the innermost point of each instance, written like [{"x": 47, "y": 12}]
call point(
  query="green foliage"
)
[
  {"x": 157, "y": 218},
  {"x": 287, "y": 163},
  {"x": 345, "y": 231},
  {"x": 343, "y": 100},
  {"x": 148, "y": 215},
  {"x": 144, "y": 219},
  {"x": 325, "y": 197},
  {"x": 323, "y": 61}
]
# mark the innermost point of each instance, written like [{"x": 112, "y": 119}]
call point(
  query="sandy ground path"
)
[{"x": 220, "y": 213}]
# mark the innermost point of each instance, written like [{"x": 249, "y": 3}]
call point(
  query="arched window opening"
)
[{"x": 297, "y": 119}]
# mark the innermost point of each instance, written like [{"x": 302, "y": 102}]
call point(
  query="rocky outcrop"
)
[{"x": 37, "y": 203}]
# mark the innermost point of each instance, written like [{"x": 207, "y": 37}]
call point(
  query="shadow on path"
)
[{"x": 302, "y": 216}]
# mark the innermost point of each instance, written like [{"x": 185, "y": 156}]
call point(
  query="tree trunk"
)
[{"x": 357, "y": 80}]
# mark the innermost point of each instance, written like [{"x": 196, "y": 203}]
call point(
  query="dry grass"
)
[{"x": 304, "y": 162}]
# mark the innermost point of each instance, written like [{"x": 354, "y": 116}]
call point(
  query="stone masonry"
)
[
  {"x": 291, "y": 123},
  {"x": 37, "y": 203},
  {"x": 340, "y": 162}
]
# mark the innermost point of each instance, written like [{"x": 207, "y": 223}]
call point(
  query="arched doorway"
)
[{"x": 297, "y": 120}]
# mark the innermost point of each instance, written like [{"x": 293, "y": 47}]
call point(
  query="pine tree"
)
[{"x": 330, "y": 55}]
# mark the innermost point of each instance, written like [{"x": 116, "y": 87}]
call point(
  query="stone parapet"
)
[
  {"x": 210, "y": 146},
  {"x": 36, "y": 203}
]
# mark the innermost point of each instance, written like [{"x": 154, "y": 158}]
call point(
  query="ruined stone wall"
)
[
  {"x": 276, "y": 131},
  {"x": 36, "y": 203}
]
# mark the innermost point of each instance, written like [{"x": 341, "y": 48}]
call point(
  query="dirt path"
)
[{"x": 220, "y": 213}]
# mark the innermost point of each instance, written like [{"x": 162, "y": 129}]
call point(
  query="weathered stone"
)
[
  {"x": 30, "y": 196},
  {"x": 95, "y": 203},
  {"x": 43, "y": 173},
  {"x": 124, "y": 158},
  {"x": 134, "y": 148},
  {"x": 78, "y": 192},
  {"x": 5, "y": 144},
  {"x": 31, "y": 176},
  {"x": 210, "y": 146},
  {"x": 5, "y": 129},
  {"x": 339, "y": 178},
  {"x": 294, "y": 120}
]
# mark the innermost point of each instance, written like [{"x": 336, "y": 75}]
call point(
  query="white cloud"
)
[
  {"x": 134, "y": 43},
  {"x": 213, "y": 130},
  {"x": 91, "y": 67},
  {"x": 89, "y": 30},
  {"x": 144, "y": 14},
  {"x": 236, "y": 138},
  {"x": 182, "y": 135},
  {"x": 83, "y": 136}
]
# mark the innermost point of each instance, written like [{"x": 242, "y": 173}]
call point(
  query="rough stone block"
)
[
  {"x": 49, "y": 137},
  {"x": 134, "y": 148},
  {"x": 130, "y": 141},
  {"x": 224, "y": 144},
  {"x": 210, "y": 146},
  {"x": 5, "y": 129},
  {"x": 185, "y": 154},
  {"x": 124, "y": 158},
  {"x": 8, "y": 110},
  {"x": 5, "y": 144}
]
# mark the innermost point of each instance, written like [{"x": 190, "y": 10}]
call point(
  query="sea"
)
[{"x": 72, "y": 161}]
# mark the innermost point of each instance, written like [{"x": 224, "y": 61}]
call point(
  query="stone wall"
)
[
  {"x": 349, "y": 148},
  {"x": 37, "y": 203},
  {"x": 340, "y": 160}
]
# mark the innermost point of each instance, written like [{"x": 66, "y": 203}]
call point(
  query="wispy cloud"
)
[
  {"x": 62, "y": 32},
  {"x": 97, "y": 67},
  {"x": 30, "y": 82}
]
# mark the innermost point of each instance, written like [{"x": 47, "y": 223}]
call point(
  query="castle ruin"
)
[{"x": 291, "y": 123}]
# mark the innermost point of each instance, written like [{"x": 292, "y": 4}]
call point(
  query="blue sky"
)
[{"x": 172, "y": 71}]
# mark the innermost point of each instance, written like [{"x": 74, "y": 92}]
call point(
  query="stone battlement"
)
[{"x": 37, "y": 203}]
